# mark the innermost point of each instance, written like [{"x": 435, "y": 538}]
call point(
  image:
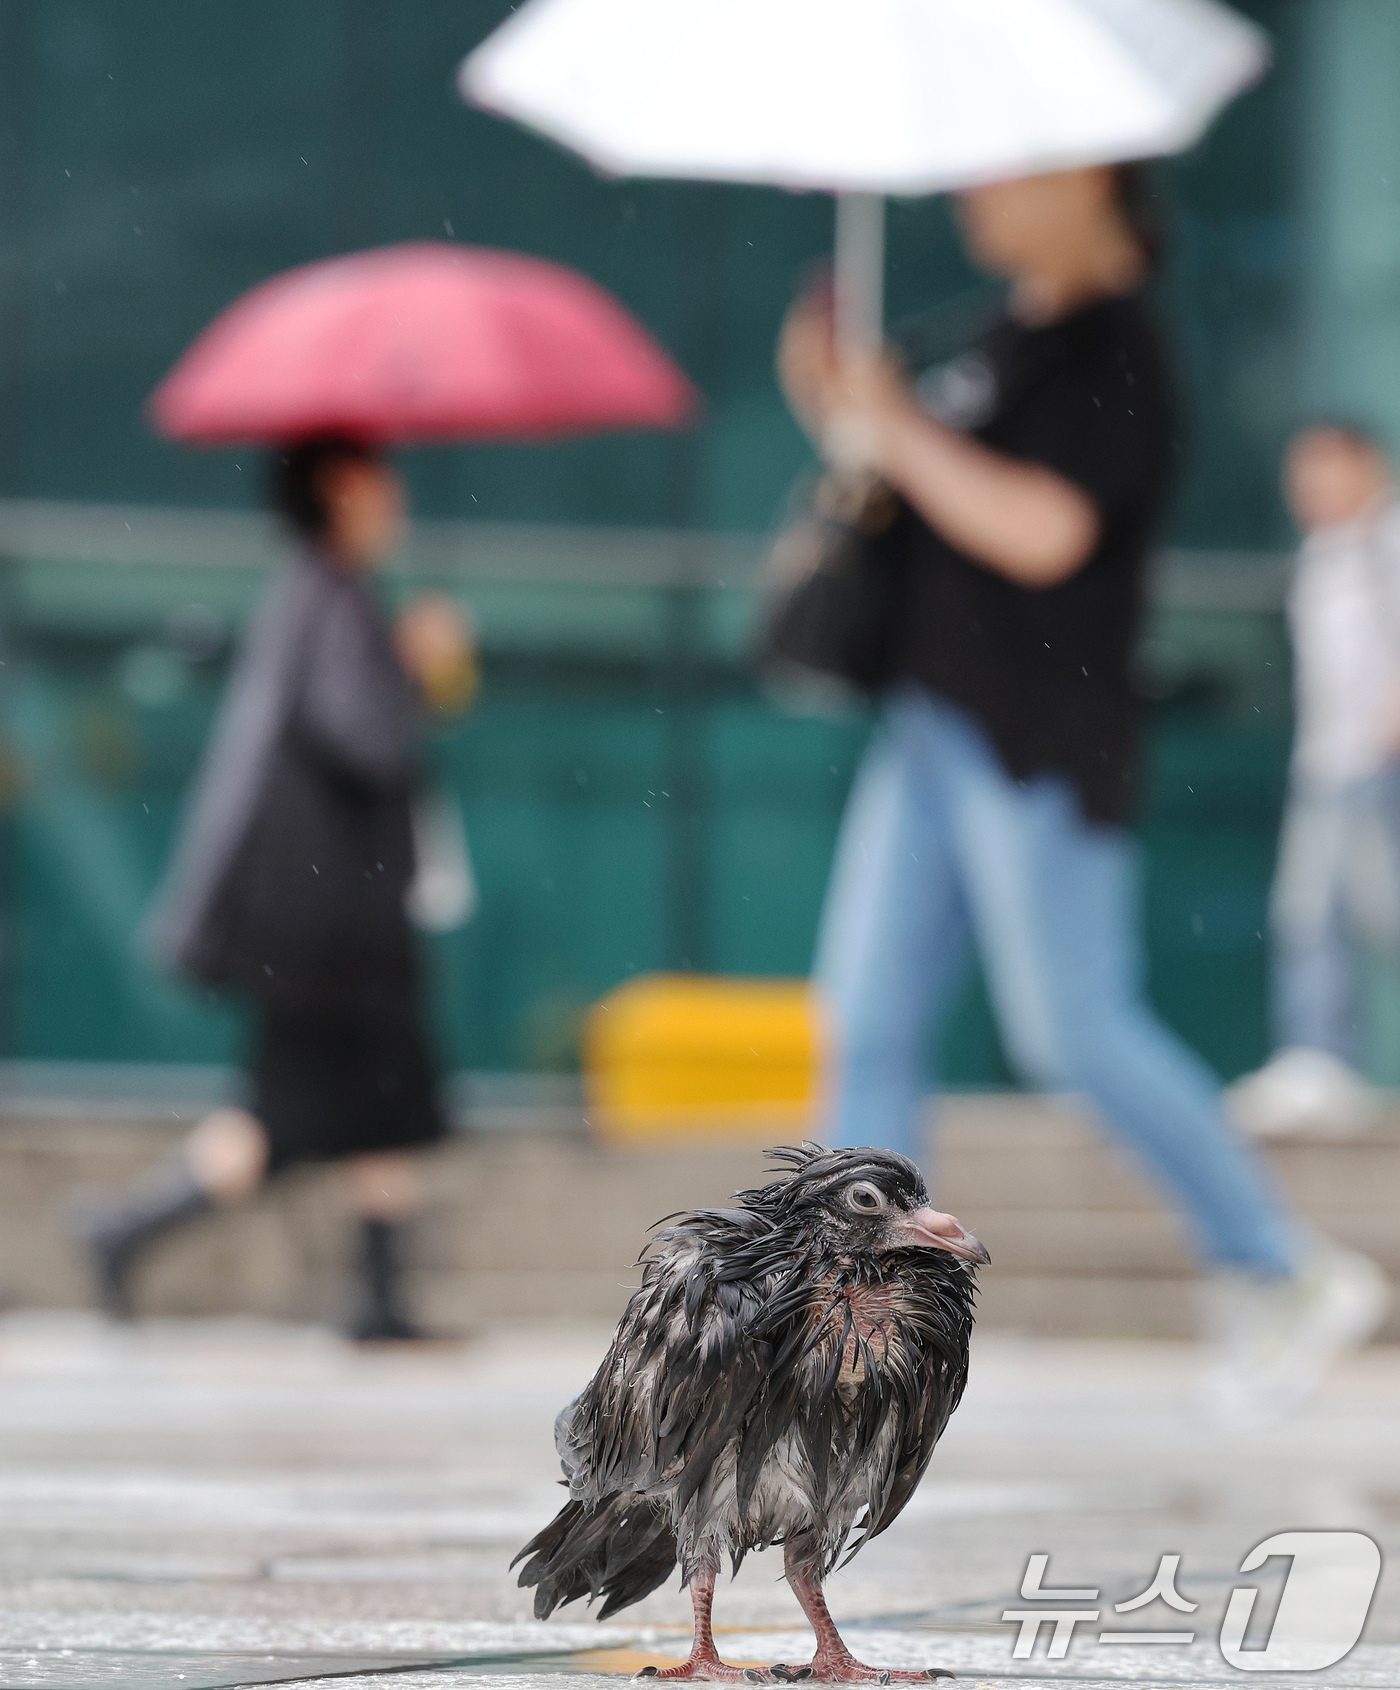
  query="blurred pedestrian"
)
[
  {"x": 1337, "y": 888},
  {"x": 288, "y": 887},
  {"x": 994, "y": 802}
]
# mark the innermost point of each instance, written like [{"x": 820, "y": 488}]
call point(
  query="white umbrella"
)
[{"x": 865, "y": 97}]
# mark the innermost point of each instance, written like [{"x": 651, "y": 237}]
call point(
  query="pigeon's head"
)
[{"x": 874, "y": 1199}]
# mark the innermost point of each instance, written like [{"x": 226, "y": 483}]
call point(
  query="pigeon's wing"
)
[
  {"x": 680, "y": 1377},
  {"x": 670, "y": 1394},
  {"x": 911, "y": 1463},
  {"x": 943, "y": 1378}
]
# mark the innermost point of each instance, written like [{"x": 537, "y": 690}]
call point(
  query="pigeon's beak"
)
[{"x": 935, "y": 1231}]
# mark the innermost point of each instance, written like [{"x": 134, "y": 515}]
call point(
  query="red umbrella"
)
[{"x": 416, "y": 343}]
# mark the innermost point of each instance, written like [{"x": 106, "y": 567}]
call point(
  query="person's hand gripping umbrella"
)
[{"x": 865, "y": 99}]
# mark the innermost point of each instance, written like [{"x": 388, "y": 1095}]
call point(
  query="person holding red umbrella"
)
[
  {"x": 289, "y": 886},
  {"x": 290, "y": 881}
]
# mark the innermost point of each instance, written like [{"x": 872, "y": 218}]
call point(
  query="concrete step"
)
[{"x": 546, "y": 1223}]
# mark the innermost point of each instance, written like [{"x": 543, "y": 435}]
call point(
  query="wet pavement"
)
[{"x": 195, "y": 1505}]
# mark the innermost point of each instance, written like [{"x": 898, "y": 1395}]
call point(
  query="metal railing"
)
[{"x": 35, "y": 531}]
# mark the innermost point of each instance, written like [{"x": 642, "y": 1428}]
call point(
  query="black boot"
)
[
  {"x": 379, "y": 1316},
  {"x": 116, "y": 1233}
]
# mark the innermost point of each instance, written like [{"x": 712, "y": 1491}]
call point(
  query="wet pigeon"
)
[{"x": 780, "y": 1377}]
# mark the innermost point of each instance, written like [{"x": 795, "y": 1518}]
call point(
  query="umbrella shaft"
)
[{"x": 860, "y": 270}]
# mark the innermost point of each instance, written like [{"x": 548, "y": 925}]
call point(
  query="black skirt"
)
[{"x": 343, "y": 1083}]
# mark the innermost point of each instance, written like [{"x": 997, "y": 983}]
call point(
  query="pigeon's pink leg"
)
[
  {"x": 704, "y": 1662},
  {"x": 833, "y": 1662}
]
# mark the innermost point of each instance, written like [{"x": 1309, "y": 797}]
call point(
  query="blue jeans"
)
[
  {"x": 1336, "y": 891},
  {"x": 940, "y": 847}
]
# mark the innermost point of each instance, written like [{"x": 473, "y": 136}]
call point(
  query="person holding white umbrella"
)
[
  {"x": 1028, "y": 476},
  {"x": 993, "y": 806}
]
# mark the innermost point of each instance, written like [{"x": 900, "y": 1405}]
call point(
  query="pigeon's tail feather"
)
[{"x": 618, "y": 1549}]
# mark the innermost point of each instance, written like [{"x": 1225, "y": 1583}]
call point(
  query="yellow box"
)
[{"x": 674, "y": 1057}]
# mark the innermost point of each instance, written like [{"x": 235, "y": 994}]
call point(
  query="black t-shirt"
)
[{"x": 1046, "y": 672}]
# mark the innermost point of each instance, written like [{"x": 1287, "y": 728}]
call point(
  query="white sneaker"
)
[
  {"x": 1303, "y": 1091},
  {"x": 1279, "y": 1339}
]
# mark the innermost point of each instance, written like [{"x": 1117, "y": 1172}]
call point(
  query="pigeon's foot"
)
[
  {"x": 841, "y": 1667},
  {"x": 708, "y": 1669},
  {"x": 833, "y": 1662},
  {"x": 704, "y": 1664}
]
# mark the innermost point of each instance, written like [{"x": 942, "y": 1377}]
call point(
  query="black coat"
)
[{"x": 298, "y": 852}]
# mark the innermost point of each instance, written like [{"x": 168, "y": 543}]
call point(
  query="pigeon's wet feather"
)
[{"x": 777, "y": 1378}]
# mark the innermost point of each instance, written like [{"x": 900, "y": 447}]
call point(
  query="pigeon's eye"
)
[{"x": 865, "y": 1199}]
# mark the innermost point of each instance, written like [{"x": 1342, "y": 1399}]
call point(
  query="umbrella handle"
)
[{"x": 860, "y": 271}]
